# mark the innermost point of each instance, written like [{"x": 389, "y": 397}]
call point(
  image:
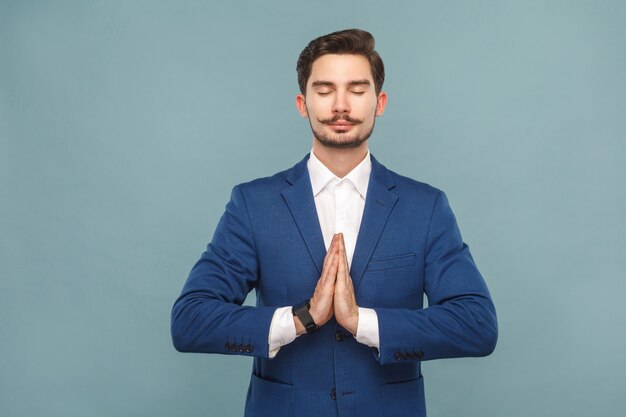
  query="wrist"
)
[
  {"x": 352, "y": 324},
  {"x": 300, "y": 330},
  {"x": 302, "y": 312}
]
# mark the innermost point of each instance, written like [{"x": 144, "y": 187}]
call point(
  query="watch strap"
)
[{"x": 302, "y": 312}]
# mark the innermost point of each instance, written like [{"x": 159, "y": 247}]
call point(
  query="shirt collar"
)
[{"x": 320, "y": 175}]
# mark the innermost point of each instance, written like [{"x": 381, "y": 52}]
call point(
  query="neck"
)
[{"x": 340, "y": 161}]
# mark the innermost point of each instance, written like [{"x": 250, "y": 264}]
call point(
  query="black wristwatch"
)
[{"x": 302, "y": 311}]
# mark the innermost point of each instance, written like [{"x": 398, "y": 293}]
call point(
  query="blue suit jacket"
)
[{"x": 269, "y": 239}]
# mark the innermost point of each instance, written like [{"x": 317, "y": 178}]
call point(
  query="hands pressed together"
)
[{"x": 334, "y": 293}]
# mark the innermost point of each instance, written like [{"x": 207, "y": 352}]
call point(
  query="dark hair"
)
[{"x": 349, "y": 41}]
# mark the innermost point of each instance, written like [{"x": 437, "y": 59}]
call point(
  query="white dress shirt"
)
[{"x": 339, "y": 203}]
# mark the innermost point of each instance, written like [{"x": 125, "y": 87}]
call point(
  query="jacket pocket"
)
[
  {"x": 391, "y": 262},
  {"x": 404, "y": 399},
  {"x": 267, "y": 398}
]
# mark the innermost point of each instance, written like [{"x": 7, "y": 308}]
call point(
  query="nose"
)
[{"x": 341, "y": 105}]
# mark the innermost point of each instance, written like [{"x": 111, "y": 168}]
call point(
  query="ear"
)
[
  {"x": 301, "y": 105},
  {"x": 381, "y": 103}
]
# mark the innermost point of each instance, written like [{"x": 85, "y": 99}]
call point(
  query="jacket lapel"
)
[
  {"x": 299, "y": 199},
  {"x": 379, "y": 203}
]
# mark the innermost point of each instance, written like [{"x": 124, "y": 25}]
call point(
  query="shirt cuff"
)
[
  {"x": 367, "y": 328},
  {"x": 282, "y": 330}
]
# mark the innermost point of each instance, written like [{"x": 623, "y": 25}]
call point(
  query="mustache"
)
[{"x": 343, "y": 117}]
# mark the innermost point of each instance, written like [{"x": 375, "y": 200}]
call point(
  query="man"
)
[{"x": 340, "y": 251}]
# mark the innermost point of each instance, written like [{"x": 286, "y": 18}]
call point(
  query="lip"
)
[{"x": 341, "y": 125}]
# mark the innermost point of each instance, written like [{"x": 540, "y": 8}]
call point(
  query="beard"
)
[{"x": 342, "y": 140}]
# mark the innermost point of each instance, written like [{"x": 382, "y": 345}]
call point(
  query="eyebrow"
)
[
  {"x": 331, "y": 84},
  {"x": 359, "y": 82}
]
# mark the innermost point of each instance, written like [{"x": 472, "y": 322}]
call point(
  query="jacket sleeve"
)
[
  {"x": 208, "y": 316},
  {"x": 461, "y": 318}
]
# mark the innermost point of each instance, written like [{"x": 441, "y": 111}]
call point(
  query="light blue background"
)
[{"x": 124, "y": 125}]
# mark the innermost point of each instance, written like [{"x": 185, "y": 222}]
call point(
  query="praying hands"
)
[{"x": 334, "y": 293}]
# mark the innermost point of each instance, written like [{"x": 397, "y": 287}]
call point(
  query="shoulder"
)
[
  {"x": 275, "y": 183},
  {"x": 406, "y": 187},
  {"x": 404, "y": 183},
  {"x": 419, "y": 199}
]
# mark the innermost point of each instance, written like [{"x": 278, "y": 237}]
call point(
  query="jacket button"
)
[
  {"x": 333, "y": 394},
  {"x": 398, "y": 356},
  {"x": 227, "y": 346},
  {"x": 340, "y": 336},
  {"x": 249, "y": 348},
  {"x": 234, "y": 347},
  {"x": 420, "y": 354}
]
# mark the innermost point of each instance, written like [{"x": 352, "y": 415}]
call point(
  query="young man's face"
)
[{"x": 341, "y": 102}]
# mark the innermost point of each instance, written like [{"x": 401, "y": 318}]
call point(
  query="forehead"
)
[{"x": 341, "y": 68}]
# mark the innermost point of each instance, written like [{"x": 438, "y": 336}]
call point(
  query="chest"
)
[{"x": 288, "y": 268}]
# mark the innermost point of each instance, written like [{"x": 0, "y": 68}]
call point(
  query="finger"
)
[
  {"x": 332, "y": 271},
  {"x": 341, "y": 269},
  {"x": 334, "y": 246},
  {"x": 328, "y": 257},
  {"x": 345, "y": 283},
  {"x": 327, "y": 261},
  {"x": 343, "y": 263},
  {"x": 331, "y": 277},
  {"x": 325, "y": 285},
  {"x": 328, "y": 279},
  {"x": 333, "y": 243},
  {"x": 345, "y": 255}
]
